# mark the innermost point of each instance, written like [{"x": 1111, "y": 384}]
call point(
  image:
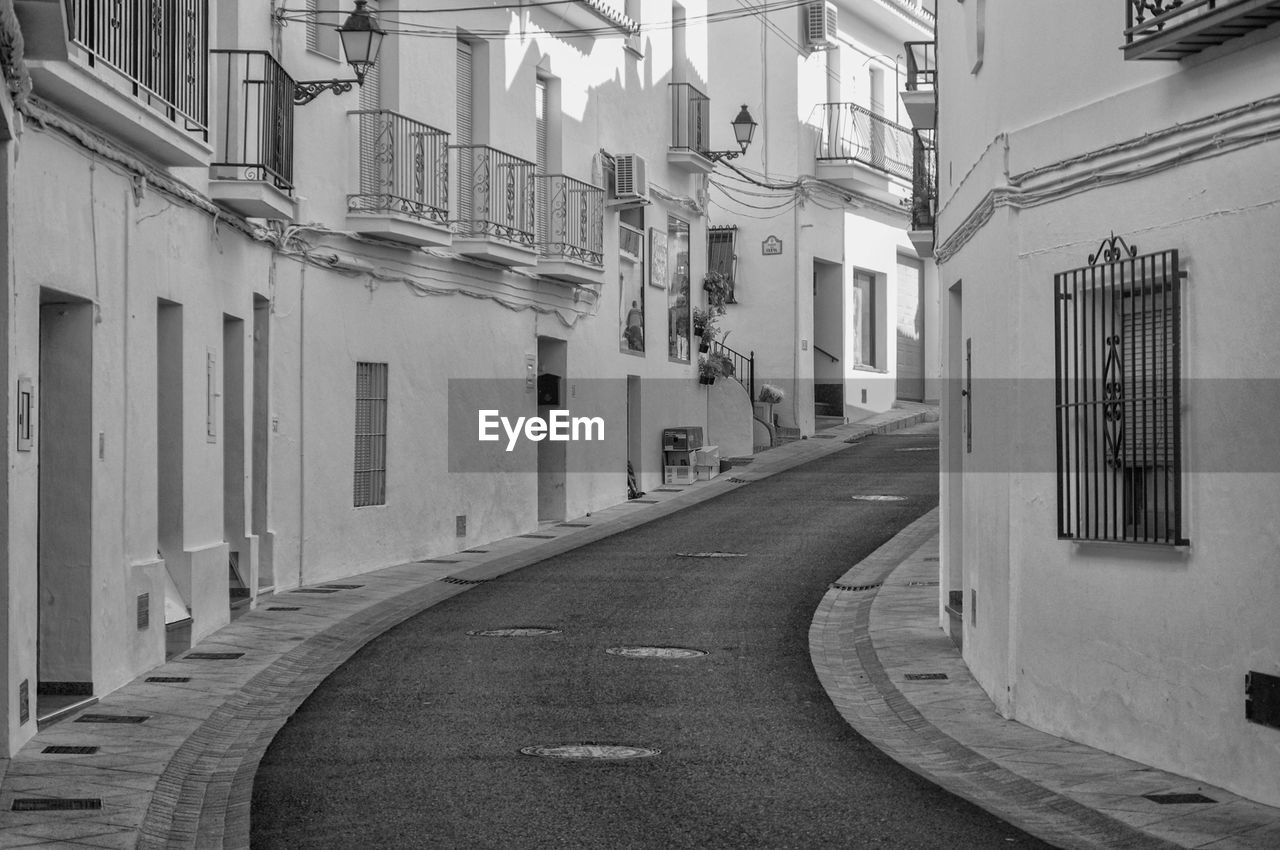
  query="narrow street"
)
[{"x": 416, "y": 741}]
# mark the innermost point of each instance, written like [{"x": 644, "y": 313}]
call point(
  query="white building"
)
[
  {"x": 1109, "y": 201},
  {"x": 252, "y": 313},
  {"x": 832, "y": 296}
]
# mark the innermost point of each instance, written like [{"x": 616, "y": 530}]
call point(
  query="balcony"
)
[
  {"x": 1172, "y": 29},
  {"x": 402, "y": 174},
  {"x": 920, "y": 97},
  {"x": 690, "y": 129},
  {"x": 924, "y": 191},
  {"x": 860, "y": 150},
  {"x": 252, "y": 172},
  {"x": 494, "y": 213},
  {"x": 570, "y": 230},
  {"x": 137, "y": 71}
]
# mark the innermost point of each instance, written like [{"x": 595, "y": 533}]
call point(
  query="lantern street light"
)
[
  {"x": 361, "y": 37},
  {"x": 744, "y": 127}
]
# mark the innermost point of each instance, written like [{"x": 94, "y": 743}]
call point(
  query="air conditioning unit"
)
[
  {"x": 629, "y": 181},
  {"x": 820, "y": 20}
]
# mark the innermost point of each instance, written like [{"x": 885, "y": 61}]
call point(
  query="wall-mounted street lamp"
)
[
  {"x": 361, "y": 37},
  {"x": 744, "y": 127}
]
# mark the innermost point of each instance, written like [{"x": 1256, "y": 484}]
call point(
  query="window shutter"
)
[{"x": 466, "y": 105}]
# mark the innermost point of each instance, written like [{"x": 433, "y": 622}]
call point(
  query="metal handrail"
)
[
  {"x": 742, "y": 364},
  {"x": 495, "y": 195},
  {"x": 849, "y": 131},
  {"x": 922, "y": 65},
  {"x": 924, "y": 180},
  {"x": 834, "y": 359},
  {"x": 1138, "y": 25},
  {"x": 404, "y": 166},
  {"x": 256, "y": 138},
  {"x": 690, "y": 119},
  {"x": 570, "y": 219}
]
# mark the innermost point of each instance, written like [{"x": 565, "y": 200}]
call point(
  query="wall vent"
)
[
  {"x": 144, "y": 611},
  {"x": 1262, "y": 699}
]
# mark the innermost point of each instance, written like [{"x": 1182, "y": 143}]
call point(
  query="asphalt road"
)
[{"x": 415, "y": 742}]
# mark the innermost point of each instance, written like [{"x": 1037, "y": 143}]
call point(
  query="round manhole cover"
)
[
  {"x": 515, "y": 631},
  {"x": 590, "y": 751},
  {"x": 655, "y": 652},
  {"x": 879, "y": 497}
]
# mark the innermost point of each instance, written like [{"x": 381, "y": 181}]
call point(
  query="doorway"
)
[
  {"x": 828, "y": 344},
  {"x": 552, "y": 455},
  {"x": 65, "y": 447},
  {"x": 911, "y": 357},
  {"x": 955, "y": 435},
  {"x": 169, "y": 474},
  {"x": 234, "y": 503},
  {"x": 635, "y": 435},
  {"x": 261, "y": 435}
]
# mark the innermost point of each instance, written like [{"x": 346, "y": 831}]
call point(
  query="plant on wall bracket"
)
[{"x": 715, "y": 285}]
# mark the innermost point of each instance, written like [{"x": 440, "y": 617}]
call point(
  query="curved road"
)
[{"x": 415, "y": 742}]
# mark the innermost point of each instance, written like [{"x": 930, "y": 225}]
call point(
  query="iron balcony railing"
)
[
  {"x": 690, "y": 119},
  {"x": 495, "y": 195},
  {"x": 161, "y": 47},
  {"x": 404, "y": 167},
  {"x": 922, "y": 65},
  {"x": 255, "y": 141},
  {"x": 570, "y": 220},
  {"x": 744, "y": 366},
  {"x": 1171, "y": 29},
  {"x": 924, "y": 180},
  {"x": 849, "y": 131}
]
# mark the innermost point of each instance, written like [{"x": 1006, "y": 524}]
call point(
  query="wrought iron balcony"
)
[
  {"x": 403, "y": 179},
  {"x": 924, "y": 191},
  {"x": 253, "y": 165},
  {"x": 1172, "y": 29},
  {"x": 690, "y": 128},
  {"x": 160, "y": 48},
  {"x": 570, "y": 219},
  {"x": 848, "y": 131},
  {"x": 493, "y": 216},
  {"x": 920, "y": 97}
]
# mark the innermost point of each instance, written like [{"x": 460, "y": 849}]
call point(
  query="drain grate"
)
[
  {"x": 514, "y": 631},
  {"x": 69, "y": 750},
  {"x": 315, "y": 590},
  {"x": 924, "y": 677},
  {"x": 932, "y": 558},
  {"x": 644, "y": 501},
  {"x": 824, "y": 436},
  {"x": 736, "y": 480},
  {"x": 668, "y": 490},
  {"x": 456, "y": 580},
  {"x": 918, "y": 449},
  {"x": 1178, "y": 799},
  {"x": 539, "y": 536},
  {"x": 854, "y": 440},
  {"x": 573, "y": 525},
  {"x": 606, "y": 752},
  {"x": 284, "y": 608},
  {"x": 438, "y": 561},
  {"x": 465, "y": 552},
  {"x": 166, "y": 680},
  {"x": 711, "y": 555},
  {"x": 56, "y": 804},
  {"x": 213, "y": 656},
  {"x": 112, "y": 718},
  {"x": 878, "y": 497},
  {"x": 343, "y": 586},
  {"x": 655, "y": 652},
  {"x": 839, "y": 586},
  {"x": 922, "y": 584}
]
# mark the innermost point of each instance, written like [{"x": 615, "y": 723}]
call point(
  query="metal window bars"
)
[
  {"x": 721, "y": 256},
  {"x": 849, "y": 131},
  {"x": 370, "y": 481},
  {"x": 690, "y": 119},
  {"x": 159, "y": 46},
  {"x": 404, "y": 167},
  {"x": 922, "y": 65},
  {"x": 495, "y": 193},
  {"x": 572, "y": 226},
  {"x": 1117, "y": 392},
  {"x": 255, "y": 141}
]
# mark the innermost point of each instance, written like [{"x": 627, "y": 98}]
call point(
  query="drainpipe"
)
[
  {"x": 302, "y": 418},
  {"x": 795, "y": 337}
]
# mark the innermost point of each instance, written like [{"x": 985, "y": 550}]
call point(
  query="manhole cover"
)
[
  {"x": 878, "y": 497},
  {"x": 55, "y": 804},
  {"x": 655, "y": 652},
  {"x": 456, "y": 580},
  {"x": 515, "y": 631},
  {"x": 851, "y": 587},
  {"x": 711, "y": 555},
  {"x": 590, "y": 751},
  {"x": 1178, "y": 799}
]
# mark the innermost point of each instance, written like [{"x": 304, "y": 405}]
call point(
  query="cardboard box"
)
[
  {"x": 706, "y": 473},
  {"x": 678, "y": 475},
  {"x": 707, "y": 456}
]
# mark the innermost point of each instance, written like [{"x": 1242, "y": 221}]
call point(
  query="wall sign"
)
[
  {"x": 771, "y": 245},
  {"x": 657, "y": 259}
]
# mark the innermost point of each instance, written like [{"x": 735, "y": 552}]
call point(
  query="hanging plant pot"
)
[
  {"x": 703, "y": 379},
  {"x": 704, "y": 346},
  {"x": 699, "y": 327}
]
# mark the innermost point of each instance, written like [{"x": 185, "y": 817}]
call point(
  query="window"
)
[
  {"x": 863, "y": 307},
  {"x": 322, "y": 23},
  {"x": 1118, "y": 399},
  {"x": 631, "y": 284},
  {"x": 721, "y": 257},
  {"x": 679, "y": 330},
  {"x": 371, "y": 434}
]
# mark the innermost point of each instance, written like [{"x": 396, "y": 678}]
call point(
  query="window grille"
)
[
  {"x": 1117, "y": 334},
  {"x": 371, "y": 434},
  {"x": 721, "y": 256}
]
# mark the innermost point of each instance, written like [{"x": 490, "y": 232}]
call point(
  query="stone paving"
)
[
  {"x": 864, "y": 643},
  {"x": 183, "y": 776}
]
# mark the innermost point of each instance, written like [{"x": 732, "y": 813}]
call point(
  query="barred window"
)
[
  {"x": 371, "y": 434},
  {"x": 1118, "y": 397},
  {"x": 721, "y": 256}
]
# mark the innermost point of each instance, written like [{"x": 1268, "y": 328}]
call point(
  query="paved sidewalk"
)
[
  {"x": 169, "y": 759},
  {"x": 879, "y": 623}
]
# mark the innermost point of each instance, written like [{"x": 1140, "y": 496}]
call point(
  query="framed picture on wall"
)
[{"x": 657, "y": 259}]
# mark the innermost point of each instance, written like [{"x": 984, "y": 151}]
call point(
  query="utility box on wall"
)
[{"x": 1262, "y": 699}]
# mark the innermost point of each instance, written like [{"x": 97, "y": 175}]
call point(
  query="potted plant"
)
[
  {"x": 722, "y": 364},
  {"x": 709, "y": 334},
  {"x": 707, "y": 371},
  {"x": 715, "y": 285},
  {"x": 770, "y": 395},
  {"x": 702, "y": 318}
]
